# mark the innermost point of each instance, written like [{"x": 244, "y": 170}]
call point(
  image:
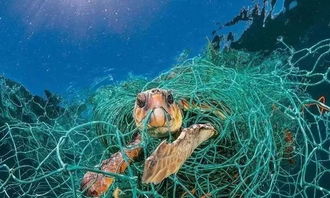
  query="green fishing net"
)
[{"x": 274, "y": 141}]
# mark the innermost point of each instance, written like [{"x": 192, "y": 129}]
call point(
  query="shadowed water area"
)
[{"x": 265, "y": 93}]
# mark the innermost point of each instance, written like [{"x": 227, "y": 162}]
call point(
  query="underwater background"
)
[
  {"x": 71, "y": 69},
  {"x": 84, "y": 42}
]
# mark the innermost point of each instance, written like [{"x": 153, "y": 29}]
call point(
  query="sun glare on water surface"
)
[{"x": 82, "y": 16}]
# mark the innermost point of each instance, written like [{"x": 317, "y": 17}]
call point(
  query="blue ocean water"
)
[{"x": 71, "y": 44}]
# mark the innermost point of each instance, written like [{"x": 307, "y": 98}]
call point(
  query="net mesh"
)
[{"x": 274, "y": 141}]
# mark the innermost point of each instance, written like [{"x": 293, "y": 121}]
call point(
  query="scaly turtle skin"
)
[
  {"x": 165, "y": 114},
  {"x": 166, "y": 117},
  {"x": 156, "y": 112}
]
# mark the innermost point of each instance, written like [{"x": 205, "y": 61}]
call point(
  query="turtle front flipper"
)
[
  {"x": 96, "y": 184},
  {"x": 168, "y": 158}
]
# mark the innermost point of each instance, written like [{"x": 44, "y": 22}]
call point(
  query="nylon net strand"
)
[{"x": 274, "y": 141}]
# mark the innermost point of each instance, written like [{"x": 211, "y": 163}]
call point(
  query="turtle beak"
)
[
  {"x": 160, "y": 114},
  {"x": 158, "y": 117}
]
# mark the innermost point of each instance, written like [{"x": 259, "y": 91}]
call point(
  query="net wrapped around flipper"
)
[{"x": 273, "y": 141}]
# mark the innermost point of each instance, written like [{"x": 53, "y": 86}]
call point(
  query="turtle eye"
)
[
  {"x": 170, "y": 99},
  {"x": 140, "y": 101}
]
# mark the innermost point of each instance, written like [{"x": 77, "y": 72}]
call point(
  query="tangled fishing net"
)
[{"x": 274, "y": 142}]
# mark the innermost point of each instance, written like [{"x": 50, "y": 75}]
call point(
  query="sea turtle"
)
[{"x": 159, "y": 114}]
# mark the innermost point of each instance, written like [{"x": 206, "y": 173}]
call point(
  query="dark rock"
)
[
  {"x": 17, "y": 104},
  {"x": 301, "y": 26}
]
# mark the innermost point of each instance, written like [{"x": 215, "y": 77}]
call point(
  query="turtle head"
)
[{"x": 156, "y": 111}]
